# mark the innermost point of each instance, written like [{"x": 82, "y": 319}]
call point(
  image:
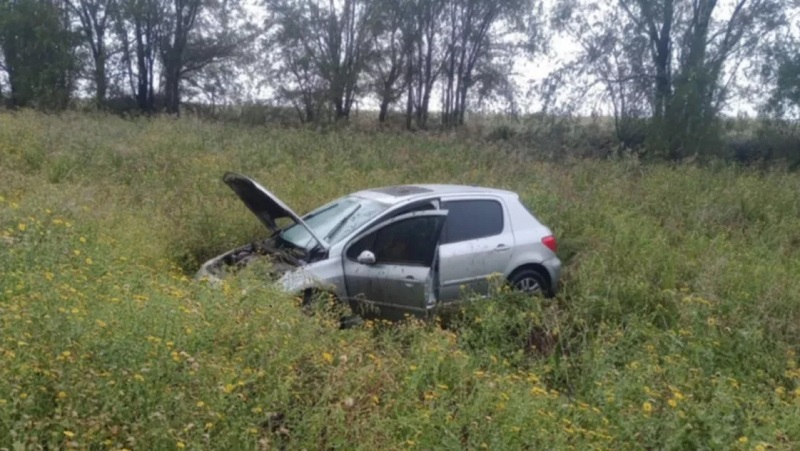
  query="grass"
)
[{"x": 677, "y": 325}]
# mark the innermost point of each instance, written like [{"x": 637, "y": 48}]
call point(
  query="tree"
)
[
  {"x": 393, "y": 47},
  {"x": 425, "y": 55},
  {"x": 137, "y": 28},
  {"x": 611, "y": 68},
  {"x": 694, "y": 49},
  {"x": 38, "y": 51},
  {"x": 781, "y": 71},
  {"x": 470, "y": 40},
  {"x": 94, "y": 17},
  {"x": 194, "y": 35},
  {"x": 323, "y": 44}
]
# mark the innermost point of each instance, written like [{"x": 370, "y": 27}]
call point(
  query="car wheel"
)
[
  {"x": 529, "y": 281},
  {"x": 313, "y": 298},
  {"x": 316, "y": 299}
]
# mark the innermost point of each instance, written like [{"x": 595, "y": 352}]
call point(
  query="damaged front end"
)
[
  {"x": 279, "y": 258},
  {"x": 282, "y": 255}
]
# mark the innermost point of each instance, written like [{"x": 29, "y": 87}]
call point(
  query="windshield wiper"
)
[{"x": 342, "y": 222}]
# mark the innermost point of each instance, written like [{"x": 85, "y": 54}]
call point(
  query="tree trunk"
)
[
  {"x": 100, "y": 78},
  {"x": 172, "y": 88},
  {"x": 142, "y": 72},
  {"x": 384, "y": 111},
  {"x": 410, "y": 88}
]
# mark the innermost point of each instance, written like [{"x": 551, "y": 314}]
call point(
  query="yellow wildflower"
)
[
  {"x": 647, "y": 407},
  {"x": 328, "y": 357},
  {"x": 69, "y": 434},
  {"x": 180, "y": 444},
  {"x": 62, "y": 395},
  {"x": 82, "y": 240},
  {"x": 672, "y": 403},
  {"x": 22, "y": 226},
  {"x": 743, "y": 440}
]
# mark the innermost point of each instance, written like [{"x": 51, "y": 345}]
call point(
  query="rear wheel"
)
[{"x": 530, "y": 281}]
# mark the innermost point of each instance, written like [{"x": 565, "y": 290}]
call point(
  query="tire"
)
[
  {"x": 312, "y": 297},
  {"x": 530, "y": 281}
]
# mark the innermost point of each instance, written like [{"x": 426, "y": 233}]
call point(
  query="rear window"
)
[{"x": 471, "y": 219}]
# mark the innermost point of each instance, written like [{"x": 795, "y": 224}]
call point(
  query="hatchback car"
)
[{"x": 398, "y": 250}]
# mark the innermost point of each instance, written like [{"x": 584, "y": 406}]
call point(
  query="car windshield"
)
[{"x": 333, "y": 221}]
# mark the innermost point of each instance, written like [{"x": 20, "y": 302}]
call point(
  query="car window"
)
[
  {"x": 407, "y": 242},
  {"x": 471, "y": 219}
]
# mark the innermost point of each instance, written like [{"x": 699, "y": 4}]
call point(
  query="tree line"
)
[{"x": 666, "y": 68}]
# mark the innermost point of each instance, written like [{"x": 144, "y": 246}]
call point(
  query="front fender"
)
[{"x": 324, "y": 275}]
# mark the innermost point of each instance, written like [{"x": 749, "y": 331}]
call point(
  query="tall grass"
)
[{"x": 677, "y": 325}]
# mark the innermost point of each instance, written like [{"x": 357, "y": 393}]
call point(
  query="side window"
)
[
  {"x": 471, "y": 219},
  {"x": 408, "y": 242}
]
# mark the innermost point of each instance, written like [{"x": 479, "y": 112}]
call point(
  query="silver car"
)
[{"x": 398, "y": 250}]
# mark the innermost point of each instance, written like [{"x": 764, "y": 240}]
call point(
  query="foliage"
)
[
  {"x": 672, "y": 62},
  {"x": 677, "y": 325},
  {"x": 37, "y": 50}
]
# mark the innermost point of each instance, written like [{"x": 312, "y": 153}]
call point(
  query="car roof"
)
[{"x": 400, "y": 193}]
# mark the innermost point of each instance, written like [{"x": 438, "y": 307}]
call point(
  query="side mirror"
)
[{"x": 366, "y": 258}]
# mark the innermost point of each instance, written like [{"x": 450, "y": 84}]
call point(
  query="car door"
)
[
  {"x": 476, "y": 243},
  {"x": 389, "y": 270}
]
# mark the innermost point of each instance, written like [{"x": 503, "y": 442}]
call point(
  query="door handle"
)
[
  {"x": 502, "y": 247},
  {"x": 408, "y": 281}
]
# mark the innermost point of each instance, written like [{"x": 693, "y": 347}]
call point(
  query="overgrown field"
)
[{"x": 678, "y": 324}]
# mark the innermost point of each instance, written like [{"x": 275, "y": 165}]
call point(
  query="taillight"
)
[{"x": 550, "y": 242}]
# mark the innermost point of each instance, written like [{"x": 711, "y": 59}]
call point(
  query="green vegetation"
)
[{"x": 677, "y": 325}]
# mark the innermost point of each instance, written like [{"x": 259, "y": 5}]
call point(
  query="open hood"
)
[{"x": 265, "y": 205}]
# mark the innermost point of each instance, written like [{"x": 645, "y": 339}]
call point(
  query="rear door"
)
[
  {"x": 402, "y": 278},
  {"x": 477, "y": 242}
]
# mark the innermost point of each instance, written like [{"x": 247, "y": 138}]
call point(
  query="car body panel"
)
[
  {"x": 265, "y": 205},
  {"x": 467, "y": 265},
  {"x": 395, "y": 288}
]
